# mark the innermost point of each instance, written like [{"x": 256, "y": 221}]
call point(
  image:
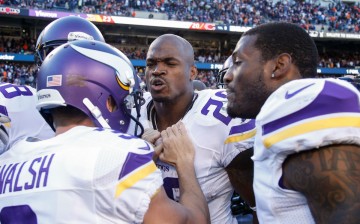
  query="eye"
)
[
  {"x": 237, "y": 62},
  {"x": 149, "y": 63},
  {"x": 171, "y": 63}
]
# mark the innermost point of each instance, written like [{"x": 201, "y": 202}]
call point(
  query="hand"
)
[
  {"x": 158, "y": 149},
  {"x": 177, "y": 146},
  {"x": 154, "y": 137},
  {"x": 151, "y": 135}
]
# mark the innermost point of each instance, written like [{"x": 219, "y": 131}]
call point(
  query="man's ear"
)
[
  {"x": 283, "y": 64},
  {"x": 193, "y": 72}
]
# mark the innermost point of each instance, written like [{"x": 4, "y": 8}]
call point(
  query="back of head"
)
[
  {"x": 220, "y": 76},
  {"x": 19, "y": 117},
  {"x": 63, "y": 30},
  {"x": 198, "y": 85},
  {"x": 93, "y": 77},
  {"x": 280, "y": 37}
]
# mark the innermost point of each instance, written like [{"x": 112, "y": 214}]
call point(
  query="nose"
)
[
  {"x": 158, "y": 70},
  {"x": 228, "y": 77}
]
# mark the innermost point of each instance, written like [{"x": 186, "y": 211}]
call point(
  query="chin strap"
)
[
  {"x": 96, "y": 113},
  {"x": 135, "y": 100}
]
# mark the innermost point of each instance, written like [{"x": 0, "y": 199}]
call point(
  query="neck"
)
[
  {"x": 60, "y": 129},
  {"x": 169, "y": 113},
  {"x": 63, "y": 129}
]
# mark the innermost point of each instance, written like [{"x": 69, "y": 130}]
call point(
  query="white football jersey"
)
[
  {"x": 85, "y": 175},
  {"x": 301, "y": 115},
  {"x": 218, "y": 139},
  {"x": 19, "y": 103}
]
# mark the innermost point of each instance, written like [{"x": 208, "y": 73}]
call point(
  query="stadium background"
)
[{"x": 215, "y": 28}]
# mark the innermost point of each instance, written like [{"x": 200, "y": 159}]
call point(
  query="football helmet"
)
[
  {"x": 220, "y": 76},
  {"x": 198, "y": 85},
  {"x": 61, "y": 31},
  {"x": 85, "y": 74}
]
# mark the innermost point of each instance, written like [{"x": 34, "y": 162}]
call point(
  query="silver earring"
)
[{"x": 272, "y": 75}]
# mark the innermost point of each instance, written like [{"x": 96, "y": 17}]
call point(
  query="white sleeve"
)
[{"x": 307, "y": 114}]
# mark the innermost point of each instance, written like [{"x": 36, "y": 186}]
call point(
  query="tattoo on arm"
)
[{"x": 329, "y": 177}]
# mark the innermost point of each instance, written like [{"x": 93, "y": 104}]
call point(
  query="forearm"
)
[
  {"x": 179, "y": 151},
  {"x": 191, "y": 195},
  {"x": 241, "y": 175},
  {"x": 242, "y": 182},
  {"x": 329, "y": 181}
]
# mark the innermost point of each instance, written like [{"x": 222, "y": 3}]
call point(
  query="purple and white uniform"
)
[
  {"x": 301, "y": 115},
  {"x": 19, "y": 104},
  {"x": 218, "y": 139},
  {"x": 85, "y": 175}
]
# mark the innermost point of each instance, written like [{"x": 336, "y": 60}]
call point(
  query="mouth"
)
[
  {"x": 229, "y": 94},
  {"x": 157, "y": 84}
]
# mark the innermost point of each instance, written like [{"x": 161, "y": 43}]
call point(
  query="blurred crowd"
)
[
  {"x": 18, "y": 73},
  {"x": 24, "y": 73},
  {"x": 334, "y": 15},
  {"x": 336, "y": 60}
]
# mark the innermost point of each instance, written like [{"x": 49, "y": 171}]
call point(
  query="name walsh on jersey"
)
[{"x": 25, "y": 175}]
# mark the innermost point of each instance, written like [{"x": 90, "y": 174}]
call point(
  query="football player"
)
[
  {"x": 238, "y": 205},
  {"x": 223, "y": 145},
  {"x": 91, "y": 172},
  {"x": 70, "y": 28},
  {"x": 307, "y": 145}
]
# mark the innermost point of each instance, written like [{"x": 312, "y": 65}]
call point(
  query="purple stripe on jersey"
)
[
  {"x": 332, "y": 99},
  {"x": 242, "y": 127},
  {"x": 134, "y": 161},
  {"x": 3, "y": 111}
]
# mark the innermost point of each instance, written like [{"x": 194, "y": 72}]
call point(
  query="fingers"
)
[
  {"x": 177, "y": 146},
  {"x": 181, "y": 128},
  {"x": 151, "y": 135},
  {"x": 175, "y": 130},
  {"x": 157, "y": 151},
  {"x": 154, "y": 137}
]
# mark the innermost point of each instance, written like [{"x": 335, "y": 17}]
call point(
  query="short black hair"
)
[
  {"x": 67, "y": 115},
  {"x": 276, "y": 38}
]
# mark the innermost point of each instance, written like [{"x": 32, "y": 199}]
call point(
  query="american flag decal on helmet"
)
[{"x": 54, "y": 80}]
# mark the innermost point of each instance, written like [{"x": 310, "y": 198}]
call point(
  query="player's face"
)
[
  {"x": 167, "y": 73},
  {"x": 247, "y": 80}
]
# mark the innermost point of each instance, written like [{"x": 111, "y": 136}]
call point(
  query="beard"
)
[{"x": 249, "y": 98}]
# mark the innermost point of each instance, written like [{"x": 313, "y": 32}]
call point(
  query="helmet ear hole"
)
[{"x": 111, "y": 104}]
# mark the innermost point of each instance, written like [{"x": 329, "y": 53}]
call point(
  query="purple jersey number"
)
[
  {"x": 171, "y": 184},
  {"x": 20, "y": 214},
  {"x": 218, "y": 106},
  {"x": 10, "y": 91}
]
